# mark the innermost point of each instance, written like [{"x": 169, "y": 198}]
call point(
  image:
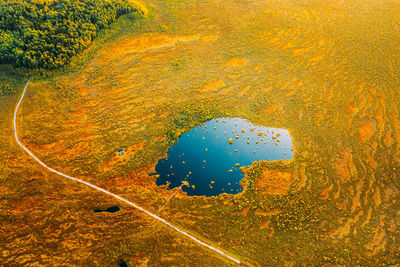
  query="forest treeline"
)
[{"x": 47, "y": 33}]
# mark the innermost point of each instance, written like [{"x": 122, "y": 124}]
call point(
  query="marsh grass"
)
[{"x": 304, "y": 69}]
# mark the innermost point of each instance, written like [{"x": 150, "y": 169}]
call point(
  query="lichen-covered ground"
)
[{"x": 327, "y": 71}]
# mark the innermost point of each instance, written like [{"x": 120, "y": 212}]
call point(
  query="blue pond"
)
[
  {"x": 121, "y": 152},
  {"x": 209, "y": 157}
]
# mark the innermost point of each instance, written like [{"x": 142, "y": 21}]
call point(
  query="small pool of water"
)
[
  {"x": 121, "y": 152},
  {"x": 110, "y": 209},
  {"x": 122, "y": 263},
  {"x": 209, "y": 157}
]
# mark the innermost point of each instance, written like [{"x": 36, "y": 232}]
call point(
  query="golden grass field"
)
[{"x": 326, "y": 71}]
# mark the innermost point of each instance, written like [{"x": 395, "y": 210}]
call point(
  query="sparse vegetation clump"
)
[
  {"x": 7, "y": 89},
  {"x": 46, "y": 34},
  {"x": 300, "y": 215},
  {"x": 191, "y": 116},
  {"x": 8, "y": 84}
]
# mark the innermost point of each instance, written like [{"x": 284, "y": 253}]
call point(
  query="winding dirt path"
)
[{"x": 108, "y": 192}]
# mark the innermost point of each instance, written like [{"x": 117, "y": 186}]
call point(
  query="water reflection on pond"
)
[{"x": 209, "y": 157}]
